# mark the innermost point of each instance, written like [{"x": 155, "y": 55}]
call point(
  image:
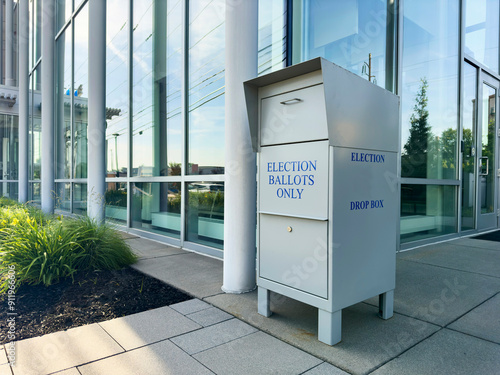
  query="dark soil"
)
[{"x": 91, "y": 298}]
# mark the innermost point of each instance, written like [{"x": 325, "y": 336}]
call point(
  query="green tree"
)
[{"x": 416, "y": 148}]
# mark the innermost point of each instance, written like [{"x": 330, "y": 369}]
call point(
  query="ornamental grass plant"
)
[{"x": 45, "y": 248}]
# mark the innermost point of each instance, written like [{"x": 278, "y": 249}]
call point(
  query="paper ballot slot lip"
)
[{"x": 295, "y": 116}]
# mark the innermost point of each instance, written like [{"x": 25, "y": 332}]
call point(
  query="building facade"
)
[{"x": 158, "y": 147}]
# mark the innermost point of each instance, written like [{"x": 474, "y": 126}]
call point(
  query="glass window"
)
[
  {"x": 64, "y": 9},
  {"x": 430, "y": 89},
  {"x": 144, "y": 131},
  {"x": 206, "y": 87},
  {"x": 116, "y": 201},
  {"x": 488, "y": 154},
  {"x": 80, "y": 198},
  {"x": 469, "y": 139},
  {"x": 9, "y": 190},
  {"x": 9, "y": 147},
  {"x": 358, "y": 35},
  {"x": 34, "y": 193},
  {"x": 173, "y": 82},
  {"x": 156, "y": 207},
  {"x": 205, "y": 213},
  {"x": 427, "y": 211},
  {"x": 272, "y": 36},
  {"x": 37, "y": 47},
  {"x": 36, "y": 141},
  {"x": 80, "y": 93},
  {"x": 63, "y": 196},
  {"x": 482, "y": 31},
  {"x": 117, "y": 85},
  {"x": 63, "y": 105}
]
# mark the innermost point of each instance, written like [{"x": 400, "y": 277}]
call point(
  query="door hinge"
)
[
  {"x": 498, "y": 172},
  {"x": 498, "y": 133}
]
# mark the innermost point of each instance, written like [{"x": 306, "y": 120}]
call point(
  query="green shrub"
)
[
  {"x": 44, "y": 249},
  {"x": 39, "y": 254},
  {"x": 102, "y": 247}
]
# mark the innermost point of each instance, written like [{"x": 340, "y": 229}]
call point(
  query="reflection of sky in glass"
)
[
  {"x": 206, "y": 83},
  {"x": 346, "y": 32},
  {"x": 481, "y": 31},
  {"x": 430, "y": 50},
  {"x": 80, "y": 88},
  {"x": 117, "y": 85},
  {"x": 272, "y": 36},
  {"x": 142, "y": 88},
  {"x": 174, "y": 81}
]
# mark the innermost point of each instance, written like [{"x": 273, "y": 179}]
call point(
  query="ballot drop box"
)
[{"x": 327, "y": 145}]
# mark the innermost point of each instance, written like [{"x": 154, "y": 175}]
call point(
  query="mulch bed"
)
[
  {"x": 492, "y": 236},
  {"x": 91, "y": 298}
]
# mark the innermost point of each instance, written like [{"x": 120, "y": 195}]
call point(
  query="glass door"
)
[
  {"x": 487, "y": 153},
  {"x": 480, "y": 156},
  {"x": 468, "y": 148}
]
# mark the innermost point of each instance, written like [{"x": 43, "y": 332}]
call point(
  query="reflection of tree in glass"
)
[
  {"x": 414, "y": 158},
  {"x": 448, "y": 148},
  {"x": 468, "y": 161}
]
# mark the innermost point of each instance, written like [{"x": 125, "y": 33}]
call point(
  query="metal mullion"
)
[
  {"x": 157, "y": 179},
  {"x": 208, "y": 178},
  {"x": 461, "y": 89},
  {"x": 63, "y": 29},
  {"x": 184, "y": 115},
  {"x": 399, "y": 88},
  {"x": 424, "y": 181},
  {"x": 130, "y": 110},
  {"x": 71, "y": 114},
  {"x": 77, "y": 10}
]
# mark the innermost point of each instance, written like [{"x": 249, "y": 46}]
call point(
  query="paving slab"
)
[
  {"x": 126, "y": 235},
  {"x": 482, "y": 322},
  {"x": 209, "y": 316},
  {"x": 70, "y": 371},
  {"x": 325, "y": 369},
  {"x": 191, "y": 306},
  {"x": 438, "y": 295},
  {"x": 367, "y": 341},
  {"x": 62, "y": 350},
  {"x": 146, "y": 249},
  {"x": 5, "y": 369},
  {"x": 147, "y": 327},
  {"x": 215, "y": 335},
  {"x": 465, "y": 258},
  {"x": 492, "y": 245},
  {"x": 3, "y": 356},
  {"x": 160, "y": 358},
  {"x": 195, "y": 274},
  {"x": 258, "y": 353},
  {"x": 446, "y": 352}
]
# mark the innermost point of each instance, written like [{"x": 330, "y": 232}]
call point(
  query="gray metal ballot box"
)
[{"x": 327, "y": 203}]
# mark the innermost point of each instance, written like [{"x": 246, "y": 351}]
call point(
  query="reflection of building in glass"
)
[{"x": 162, "y": 135}]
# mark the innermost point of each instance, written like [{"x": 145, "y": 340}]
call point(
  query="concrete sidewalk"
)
[{"x": 446, "y": 321}]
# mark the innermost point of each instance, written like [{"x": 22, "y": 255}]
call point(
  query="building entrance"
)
[{"x": 480, "y": 156}]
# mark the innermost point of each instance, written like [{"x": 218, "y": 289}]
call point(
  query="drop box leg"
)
[
  {"x": 386, "y": 304},
  {"x": 329, "y": 326},
  {"x": 264, "y": 301}
]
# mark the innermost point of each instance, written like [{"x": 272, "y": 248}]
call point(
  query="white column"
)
[
  {"x": 48, "y": 118},
  {"x": 240, "y": 168},
  {"x": 23, "y": 99},
  {"x": 9, "y": 43},
  {"x": 97, "y": 111}
]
